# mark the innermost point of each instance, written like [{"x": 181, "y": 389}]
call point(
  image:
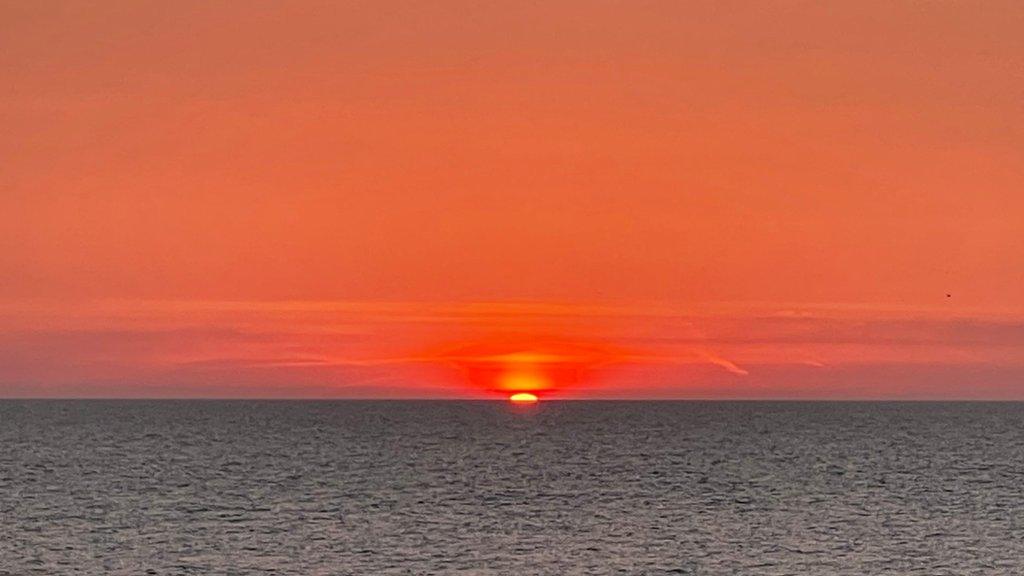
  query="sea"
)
[{"x": 489, "y": 488}]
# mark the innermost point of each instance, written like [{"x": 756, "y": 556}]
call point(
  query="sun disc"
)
[{"x": 523, "y": 398}]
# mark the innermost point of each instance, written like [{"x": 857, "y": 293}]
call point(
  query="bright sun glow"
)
[
  {"x": 520, "y": 381},
  {"x": 523, "y": 398},
  {"x": 539, "y": 366}
]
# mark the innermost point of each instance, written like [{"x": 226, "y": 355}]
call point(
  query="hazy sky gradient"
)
[{"x": 789, "y": 187}]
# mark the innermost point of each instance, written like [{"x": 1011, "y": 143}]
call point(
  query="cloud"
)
[
  {"x": 729, "y": 366},
  {"x": 310, "y": 344}
]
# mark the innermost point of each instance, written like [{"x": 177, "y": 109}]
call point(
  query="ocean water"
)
[{"x": 487, "y": 488}]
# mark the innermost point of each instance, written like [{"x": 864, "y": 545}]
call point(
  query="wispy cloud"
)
[{"x": 333, "y": 343}]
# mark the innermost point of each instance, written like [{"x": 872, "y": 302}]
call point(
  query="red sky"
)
[{"x": 305, "y": 199}]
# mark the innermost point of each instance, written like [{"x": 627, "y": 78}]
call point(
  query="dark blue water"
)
[{"x": 485, "y": 488}]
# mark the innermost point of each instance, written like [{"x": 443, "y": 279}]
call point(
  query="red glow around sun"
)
[{"x": 525, "y": 368}]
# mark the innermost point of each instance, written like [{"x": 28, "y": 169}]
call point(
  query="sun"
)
[
  {"x": 526, "y": 367},
  {"x": 523, "y": 398}
]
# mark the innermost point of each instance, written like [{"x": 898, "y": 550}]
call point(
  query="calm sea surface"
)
[{"x": 487, "y": 488}]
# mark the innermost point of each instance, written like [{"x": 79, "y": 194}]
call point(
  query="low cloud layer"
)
[{"x": 378, "y": 349}]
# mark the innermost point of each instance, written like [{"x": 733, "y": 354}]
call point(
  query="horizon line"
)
[{"x": 505, "y": 400}]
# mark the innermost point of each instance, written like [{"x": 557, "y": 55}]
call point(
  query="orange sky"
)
[{"x": 303, "y": 199}]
